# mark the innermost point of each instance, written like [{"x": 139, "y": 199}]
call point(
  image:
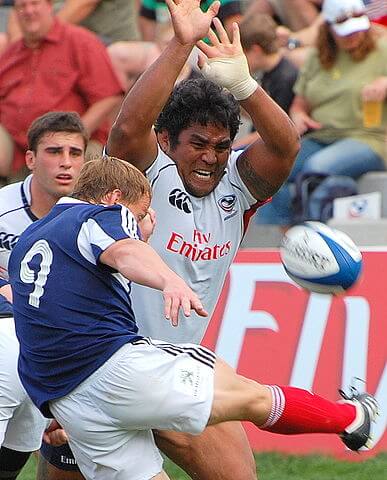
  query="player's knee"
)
[{"x": 11, "y": 462}]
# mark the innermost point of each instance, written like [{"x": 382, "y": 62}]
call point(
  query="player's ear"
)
[
  {"x": 30, "y": 159},
  {"x": 113, "y": 197},
  {"x": 163, "y": 138}
]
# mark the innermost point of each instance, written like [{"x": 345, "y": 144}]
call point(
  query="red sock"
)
[{"x": 298, "y": 411}]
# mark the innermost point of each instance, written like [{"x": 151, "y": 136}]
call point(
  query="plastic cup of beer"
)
[{"x": 372, "y": 114}]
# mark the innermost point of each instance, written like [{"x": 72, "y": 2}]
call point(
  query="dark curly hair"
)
[{"x": 198, "y": 101}]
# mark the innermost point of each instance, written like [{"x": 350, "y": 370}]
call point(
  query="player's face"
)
[
  {"x": 57, "y": 162},
  {"x": 201, "y": 156},
  {"x": 140, "y": 208}
]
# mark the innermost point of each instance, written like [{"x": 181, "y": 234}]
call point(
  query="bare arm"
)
[
  {"x": 267, "y": 162},
  {"x": 137, "y": 261},
  {"x": 74, "y": 11},
  {"x": 132, "y": 137},
  {"x": 307, "y": 36},
  {"x": 97, "y": 113}
]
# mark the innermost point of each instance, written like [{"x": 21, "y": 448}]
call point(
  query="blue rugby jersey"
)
[{"x": 71, "y": 312}]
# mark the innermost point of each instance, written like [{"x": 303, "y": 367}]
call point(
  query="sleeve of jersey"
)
[
  {"x": 161, "y": 162},
  {"x": 3, "y": 282},
  {"x": 110, "y": 225}
]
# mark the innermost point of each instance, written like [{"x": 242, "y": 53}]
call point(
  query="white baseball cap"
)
[{"x": 345, "y": 16}]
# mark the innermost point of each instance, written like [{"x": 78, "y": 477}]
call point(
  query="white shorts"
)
[
  {"x": 146, "y": 385},
  {"x": 21, "y": 423}
]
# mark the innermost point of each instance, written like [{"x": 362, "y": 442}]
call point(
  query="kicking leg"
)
[{"x": 290, "y": 410}]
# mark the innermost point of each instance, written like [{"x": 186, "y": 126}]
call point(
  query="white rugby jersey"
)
[
  {"x": 15, "y": 217},
  {"x": 198, "y": 238}
]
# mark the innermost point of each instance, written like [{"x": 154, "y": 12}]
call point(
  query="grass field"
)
[{"x": 272, "y": 466}]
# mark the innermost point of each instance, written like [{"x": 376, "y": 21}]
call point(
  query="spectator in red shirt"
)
[{"x": 55, "y": 66}]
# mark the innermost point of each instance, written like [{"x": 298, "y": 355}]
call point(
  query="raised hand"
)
[
  {"x": 221, "y": 46},
  {"x": 189, "y": 22},
  {"x": 225, "y": 63}
]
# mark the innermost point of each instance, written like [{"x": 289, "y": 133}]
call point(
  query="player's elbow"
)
[
  {"x": 288, "y": 155},
  {"x": 119, "y": 140}
]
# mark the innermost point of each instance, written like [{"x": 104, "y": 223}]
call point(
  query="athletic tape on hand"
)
[{"x": 231, "y": 73}]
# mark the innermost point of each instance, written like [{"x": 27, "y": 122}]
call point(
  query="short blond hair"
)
[{"x": 104, "y": 175}]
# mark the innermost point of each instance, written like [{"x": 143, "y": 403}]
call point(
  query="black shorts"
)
[{"x": 60, "y": 457}]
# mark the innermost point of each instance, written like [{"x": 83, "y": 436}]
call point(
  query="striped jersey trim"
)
[{"x": 197, "y": 352}]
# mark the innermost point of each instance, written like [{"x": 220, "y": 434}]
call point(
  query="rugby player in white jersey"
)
[
  {"x": 203, "y": 194},
  {"x": 57, "y": 143}
]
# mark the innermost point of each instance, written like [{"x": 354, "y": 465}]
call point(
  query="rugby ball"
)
[{"x": 319, "y": 258}]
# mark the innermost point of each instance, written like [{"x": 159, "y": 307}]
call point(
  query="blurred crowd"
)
[{"x": 323, "y": 61}]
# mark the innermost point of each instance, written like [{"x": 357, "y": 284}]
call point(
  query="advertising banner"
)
[{"x": 271, "y": 330}]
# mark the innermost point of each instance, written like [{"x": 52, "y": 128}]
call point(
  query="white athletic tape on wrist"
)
[{"x": 231, "y": 73}]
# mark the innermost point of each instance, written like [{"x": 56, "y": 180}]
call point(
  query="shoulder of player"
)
[
  {"x": 161, "y": 165},
  {"x": 11, "y": 198},
  {"x": 95, "y": 210}
]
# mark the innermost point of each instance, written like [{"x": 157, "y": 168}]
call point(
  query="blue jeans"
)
[{"x": 343, "y": 157}]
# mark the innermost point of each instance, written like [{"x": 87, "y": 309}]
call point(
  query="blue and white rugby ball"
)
[{"x": 320, "y": 259}]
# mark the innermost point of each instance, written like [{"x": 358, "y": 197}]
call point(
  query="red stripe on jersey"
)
[{"x": 250, "y": 212}]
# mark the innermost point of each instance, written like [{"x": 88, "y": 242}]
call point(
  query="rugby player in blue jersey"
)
[{"x": 56, "y": 152}]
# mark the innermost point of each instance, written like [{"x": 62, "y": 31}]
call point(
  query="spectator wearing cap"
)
[
  {"x": 347, "y": 68},
  {"x": 293, "y": 40}
]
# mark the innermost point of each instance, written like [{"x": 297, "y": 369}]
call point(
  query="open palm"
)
[
  {"x": 221, "y": 46},
  {"x": 190, "y": 23}
]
